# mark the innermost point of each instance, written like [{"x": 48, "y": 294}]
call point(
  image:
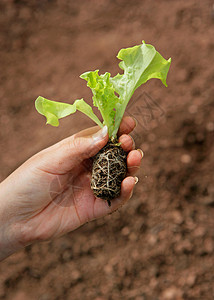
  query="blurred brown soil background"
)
[{"x": 159, "y": 246}]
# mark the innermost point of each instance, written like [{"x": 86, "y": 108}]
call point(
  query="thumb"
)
[
  {"x": 89, "y": 142},
  {"x": 67, "y": 154}
]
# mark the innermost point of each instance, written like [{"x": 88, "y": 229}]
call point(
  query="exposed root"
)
[{"x": 109, "y": 169}]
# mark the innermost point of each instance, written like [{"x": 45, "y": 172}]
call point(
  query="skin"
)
[{"x": 50, "y": 195}]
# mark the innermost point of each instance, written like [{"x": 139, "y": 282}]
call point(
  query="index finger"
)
[{"x": 127, "y": 125}]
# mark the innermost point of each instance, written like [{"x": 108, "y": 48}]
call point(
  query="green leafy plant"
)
[{"x": 111, "y": 94}]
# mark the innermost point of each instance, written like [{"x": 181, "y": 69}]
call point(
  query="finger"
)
[
  {"x": 101, "y": 207},
  {"x": 70, "y": 152},
  {"x": 87, "y": 132},
  {"x": 133, "y": 161},
  {"x": 127, "y": 125},
  {"x": 87, "y": 146},
  {"x": 127, "y": 187},
  {"x": 127, "y": 142}
]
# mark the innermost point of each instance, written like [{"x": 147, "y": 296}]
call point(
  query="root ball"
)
[{"x": 109, "y": 169}]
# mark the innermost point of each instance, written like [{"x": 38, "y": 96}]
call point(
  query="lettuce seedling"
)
[{"x": 111, "y": 96}]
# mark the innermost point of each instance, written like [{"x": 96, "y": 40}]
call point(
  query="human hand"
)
[{"x": 50, "y": 194}]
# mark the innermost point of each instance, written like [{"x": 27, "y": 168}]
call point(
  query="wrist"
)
[
  {"x": 10, "y": 240},
  {"x": 7, "y": 245}
]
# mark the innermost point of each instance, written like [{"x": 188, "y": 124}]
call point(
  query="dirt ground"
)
[{"x": 159, "y": 246}]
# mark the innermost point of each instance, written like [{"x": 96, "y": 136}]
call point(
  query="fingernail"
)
[
  {"x": 136, "y": 121},
  {"x": 136, "y": 179},
  {"x": 131, "y": 194},
  {"x": 133, "y": 142},
  {"x": 98, "y": 136},
  {"x": 141, "y": 152}
]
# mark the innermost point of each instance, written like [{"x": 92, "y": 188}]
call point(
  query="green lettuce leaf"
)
[
  {"x": 53, "y": 111},
  {"x": 103, "y": 96},
  {"x": 139, "y": 63}
]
